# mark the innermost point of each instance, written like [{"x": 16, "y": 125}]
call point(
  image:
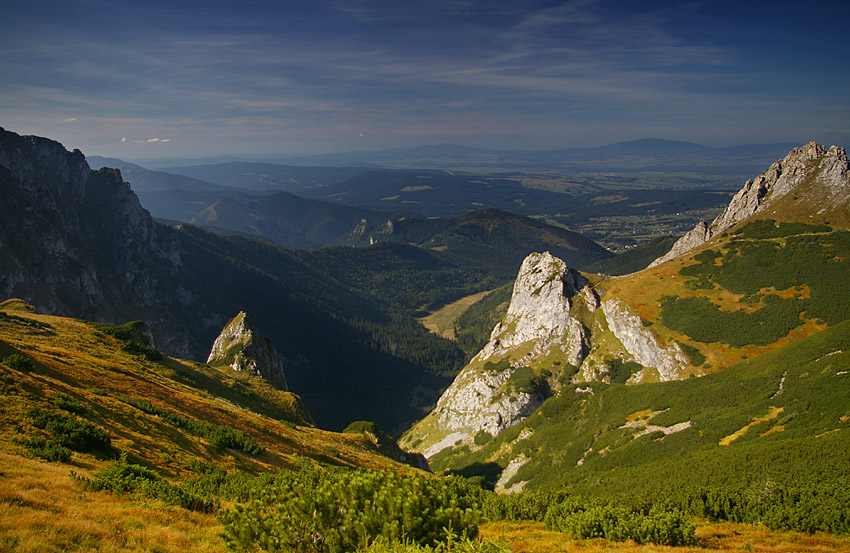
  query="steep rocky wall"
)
[
  {"x": 539, "y": 312},
  {"x": 77, "y": 242},
  {"x": 642, "y": 344}
]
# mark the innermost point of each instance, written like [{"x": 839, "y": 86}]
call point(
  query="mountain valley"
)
[{"x": 277, "y": 341}]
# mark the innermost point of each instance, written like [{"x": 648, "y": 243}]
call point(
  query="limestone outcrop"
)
[
  {"x": 641, "y": 343},
  {"x": 828, "y": 170},
  {"x": 504, "y": 383},
  {"x": 243, "y": 349},
  {"x": 539, "y": 312}
]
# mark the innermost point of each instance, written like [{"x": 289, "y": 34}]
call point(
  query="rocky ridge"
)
[
  {"x": 668, "y": 362},
  {"x": 831, "y": 172},
  {"x": 244, "y": 349}
]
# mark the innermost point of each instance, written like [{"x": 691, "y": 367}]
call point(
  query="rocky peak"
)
[
  {"x": 504, "y": 383},
  {"x": 242, "y": 348},
  {"x": 828, "y": 168},
  {"x": 46, "y": 173},
  {"x": 78, "y": 243},
  {"x": 539, "y": 311}
]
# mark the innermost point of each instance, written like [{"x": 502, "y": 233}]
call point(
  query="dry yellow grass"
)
[
  {"x": 774, "y": 412},
  {"x": 75, "y": 360},
  {"x": 643, "y": 291},
  {"x": 42, "y": 510},
  {"x": 532, "y": 537},
  {"x": 441, "y": 322}
]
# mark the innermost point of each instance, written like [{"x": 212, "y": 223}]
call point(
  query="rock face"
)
[
  {"x": 503, "y": 384},
  {"x": 477, "y": 401},
  {"x": 829, "y": 168},
  {"x": 539, "y": 312},
  {"x": 642, "y": 344},
  {"x": 77, "y": 242},
  {"x": 242, "y": 348}
]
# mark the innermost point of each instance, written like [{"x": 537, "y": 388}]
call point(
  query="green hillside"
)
[
  {"x": 488, "y": 240},
  {"x": 759, "y": 286},
  {"x": 782, "y": 420}
]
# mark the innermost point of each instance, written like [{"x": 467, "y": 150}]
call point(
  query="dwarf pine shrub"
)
[{"x": 336, "y": 510}]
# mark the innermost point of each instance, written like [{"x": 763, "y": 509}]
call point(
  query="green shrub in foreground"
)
[
  {"x": 19, "y": 363},
  {"x": 451, "y": 545},
  {"x": 47, "y": 450},
  {"x": 335, "y": 510},
  {"x": 121, "y": 477},
  {"x": 70, "y": 432},
  {"x": 619, "y": 523},
  {"x": 220, "y": 436}
]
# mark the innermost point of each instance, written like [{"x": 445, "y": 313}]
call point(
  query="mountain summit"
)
[{"x": 819, "y": 178}]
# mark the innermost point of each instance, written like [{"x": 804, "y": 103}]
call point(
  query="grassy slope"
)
[
  {"x": 442, "y": 321},
  {"x": 585, "y": 441},
  {"x": 748, "y": 273},
  {"x": 42, "y": 510},
  {"x": 73, "y": 358},
  {"x": 532, "y": 537}
]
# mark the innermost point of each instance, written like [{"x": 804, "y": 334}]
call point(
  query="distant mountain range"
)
[
  {"x": 306, "y": 208},
  {"x": 649, "y": 154}
]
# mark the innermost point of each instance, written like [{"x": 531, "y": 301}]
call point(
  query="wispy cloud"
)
[
  {"x": 322, "y": 70},
  {"x": 148, "y": 141}
]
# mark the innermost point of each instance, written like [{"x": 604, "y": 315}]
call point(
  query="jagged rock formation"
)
[
  {"x": 829, "y": 168},
  {"x": 244, "y": 349},
  {"x": 539, "y": 325},
  {"x": 543, "y": 344},
  {"x": 539, "y": 312}
]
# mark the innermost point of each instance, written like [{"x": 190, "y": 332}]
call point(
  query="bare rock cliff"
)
[
  {"x": 642, "y": 344},
  {"x": 501, "y": 385},
  {"x": 77, "y": 242},
  {"x": 539, "y": 312}
]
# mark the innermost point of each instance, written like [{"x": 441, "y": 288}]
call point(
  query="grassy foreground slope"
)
[{"x": 83, "y": 372}]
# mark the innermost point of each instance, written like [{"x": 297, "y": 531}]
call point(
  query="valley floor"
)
[{"x": 43, "y": 510}]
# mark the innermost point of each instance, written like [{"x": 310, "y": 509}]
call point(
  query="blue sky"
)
[{"x": 158, "y": 79}]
